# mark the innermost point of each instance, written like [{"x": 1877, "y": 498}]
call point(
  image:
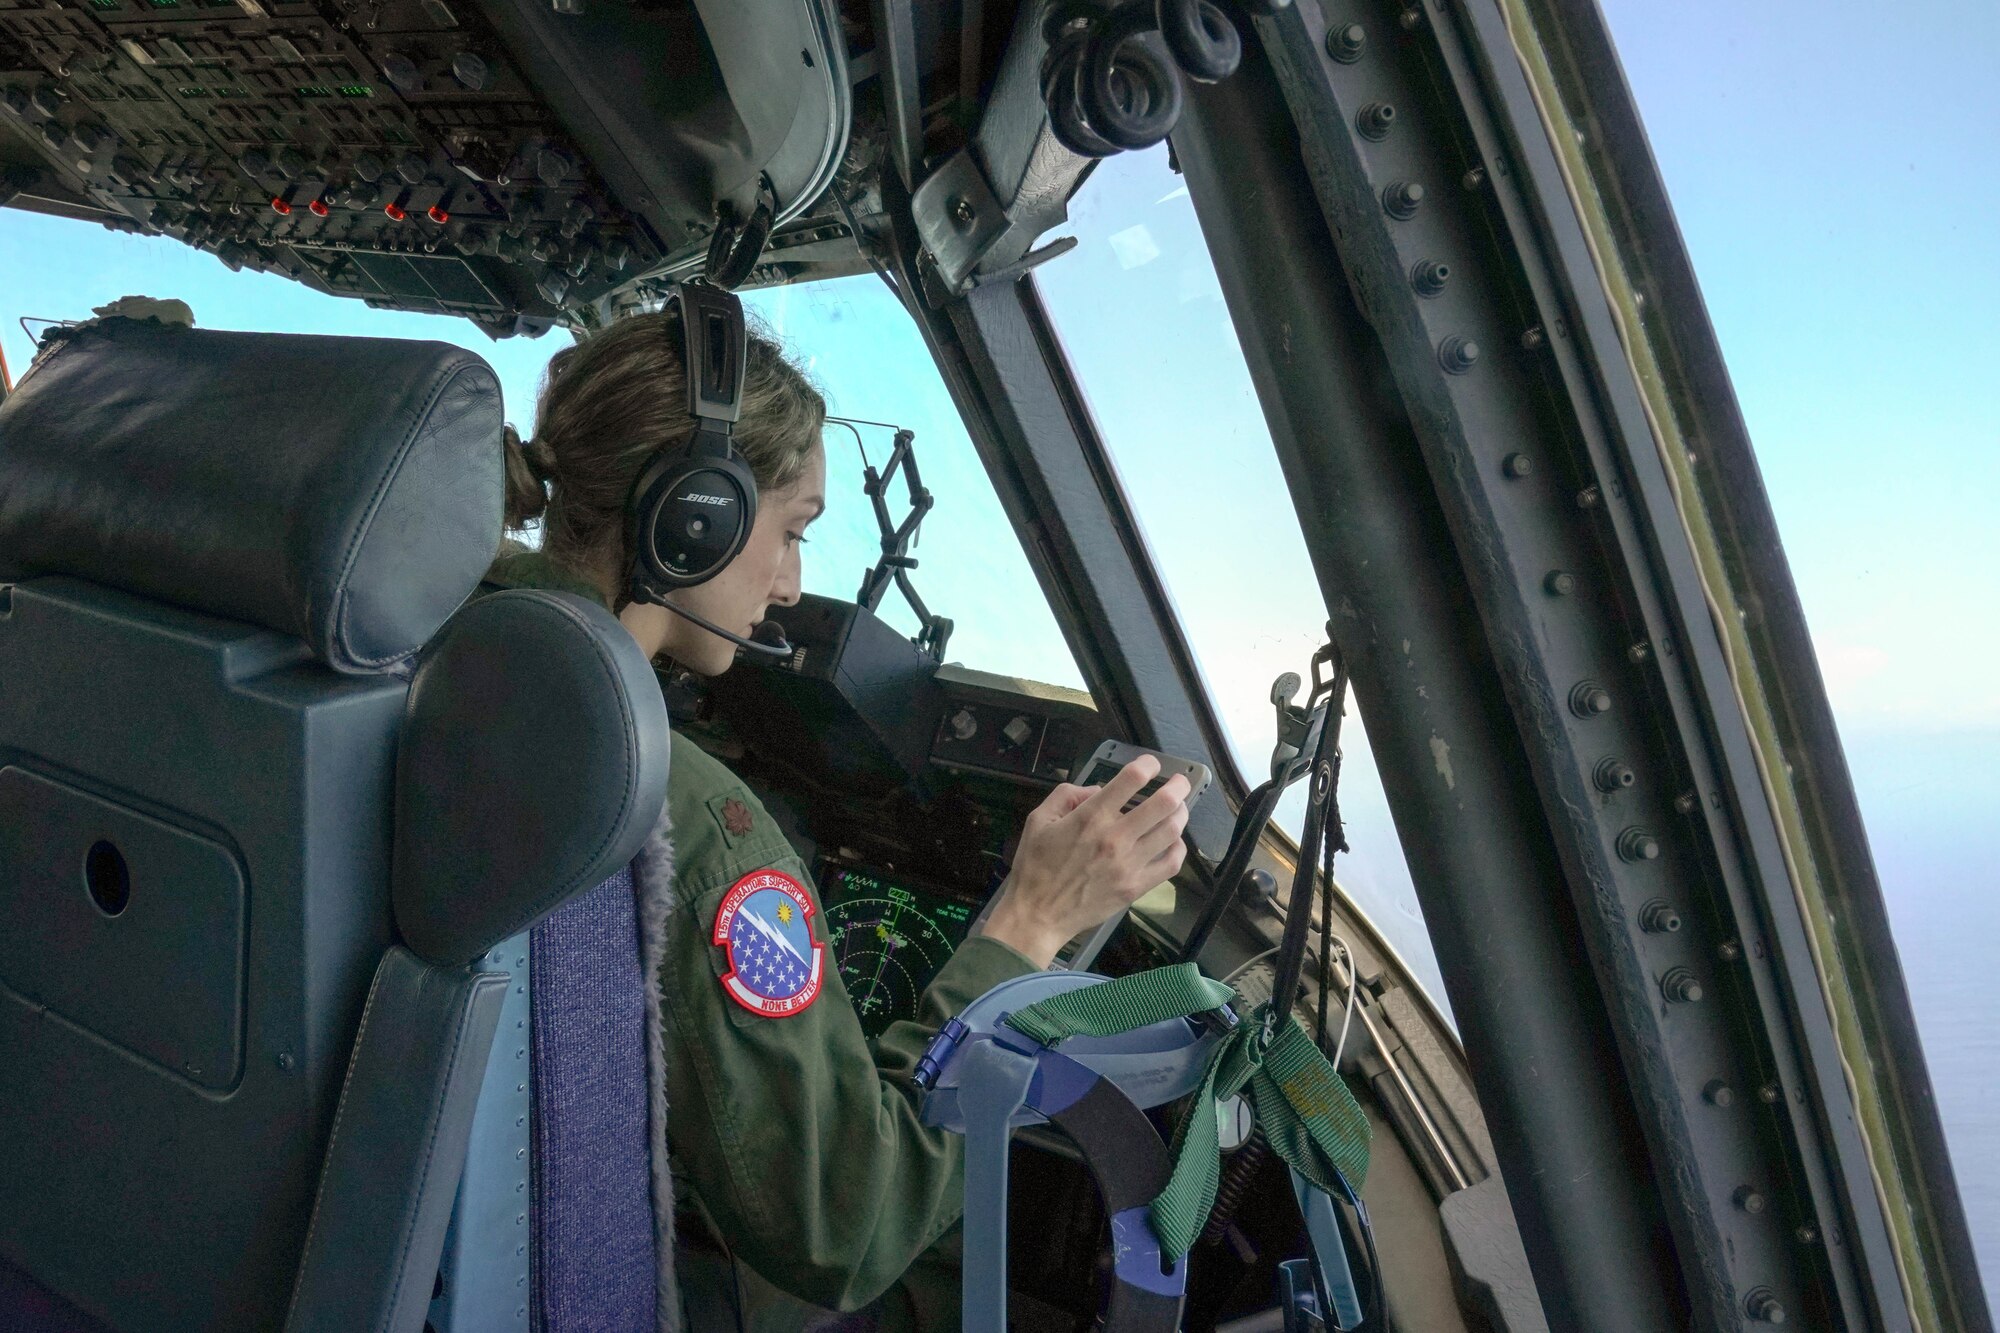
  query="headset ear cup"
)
[{"x": 668, "y": 498}]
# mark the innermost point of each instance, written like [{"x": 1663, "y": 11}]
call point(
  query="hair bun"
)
[
  {"x": 530, "y": 468},
  {"x": 541, "y": 460}
]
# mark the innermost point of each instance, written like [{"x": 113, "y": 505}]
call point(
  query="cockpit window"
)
[
  {"x": 1142, "y": 321},
  {"x": 863, "y": 351},
  {"x": 854, "y": 339}
]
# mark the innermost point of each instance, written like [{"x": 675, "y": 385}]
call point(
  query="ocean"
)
[{"x": 1932, "y": 805}]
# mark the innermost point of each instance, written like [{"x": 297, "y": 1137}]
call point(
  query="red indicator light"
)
[
  {"x": 437, "y": 215},
  {"x": 319, "y": 208},
  {"x": 394, "y": 211},
  {"x": 280, "y": 207}
]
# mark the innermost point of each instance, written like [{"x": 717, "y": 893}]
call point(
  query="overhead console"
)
[{"x": 505, "y": 160}]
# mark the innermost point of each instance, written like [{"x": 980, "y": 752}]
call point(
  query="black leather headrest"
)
[
  {"x": 345, "y": 490},
  {"x": 533, "y": 764}
]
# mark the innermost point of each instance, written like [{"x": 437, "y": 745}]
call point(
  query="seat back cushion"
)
[{"x": 343, "y": 491}]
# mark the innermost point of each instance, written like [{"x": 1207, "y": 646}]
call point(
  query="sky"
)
[{"x": 1830, "y": 169}]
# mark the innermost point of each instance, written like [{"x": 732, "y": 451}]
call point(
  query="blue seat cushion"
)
[{"x": 593, "y": 1222}]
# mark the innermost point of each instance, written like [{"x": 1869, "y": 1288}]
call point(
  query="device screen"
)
[
  {"x": 889, "y": 937},
  {"x": 1101, "y": 773}
]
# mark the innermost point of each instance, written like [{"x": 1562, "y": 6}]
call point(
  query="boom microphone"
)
[{"x": 770, "y": 635}]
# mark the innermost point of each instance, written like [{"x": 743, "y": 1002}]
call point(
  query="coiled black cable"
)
[
  {"x": 1126, "y": 82},
  {"x": 1201, "y": 37},
  {"x": 1112, "y": 77}
]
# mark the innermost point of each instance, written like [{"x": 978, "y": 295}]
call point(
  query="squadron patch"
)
[{"x": 763, "y": 922}]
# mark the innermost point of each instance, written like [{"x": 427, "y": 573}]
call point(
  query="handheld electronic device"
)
[
  {"x": 1112, "y": 756},
  {"x": 1103, "y": 765}
]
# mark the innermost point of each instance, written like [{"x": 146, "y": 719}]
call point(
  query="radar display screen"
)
[{"x": 889, "y": 939}]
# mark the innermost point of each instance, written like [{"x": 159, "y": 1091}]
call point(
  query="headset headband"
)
[{"x": 713, "y": 338}]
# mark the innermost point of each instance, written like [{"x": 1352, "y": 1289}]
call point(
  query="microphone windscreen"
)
[{"x": 771, "y": 634}]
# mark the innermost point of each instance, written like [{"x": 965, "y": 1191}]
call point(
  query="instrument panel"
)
[{"x": 903, "y": 783}]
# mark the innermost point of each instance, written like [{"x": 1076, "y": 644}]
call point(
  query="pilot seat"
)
[{"x": 280, "y": 812}]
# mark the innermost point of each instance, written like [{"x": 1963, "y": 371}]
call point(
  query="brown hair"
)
[{"x": 608, "y": 403}]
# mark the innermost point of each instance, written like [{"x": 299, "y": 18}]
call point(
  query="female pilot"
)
[{"x": 795, "y": 1146}]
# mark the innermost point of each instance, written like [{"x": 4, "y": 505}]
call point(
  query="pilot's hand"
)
[{"x": 1083, "y": 857}]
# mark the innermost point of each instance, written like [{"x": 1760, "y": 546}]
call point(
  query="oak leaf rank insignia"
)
[{"x": 736, "y": 818}]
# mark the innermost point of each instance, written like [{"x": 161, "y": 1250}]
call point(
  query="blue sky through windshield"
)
[{"x": 1830, "y": 174}]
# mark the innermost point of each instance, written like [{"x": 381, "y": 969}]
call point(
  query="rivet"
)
[
  {"x": 1532, "y": 337},
  {"x": 1517, "y": 466},
  {"x": 1559, "y": 583},
  {"x": 1659, "y": 918},
  {"x": 285, "y": 1061},
  {"x": 1613, "y": 775},
  {"x": 1458, "y": 354},
  {"x": 1761, "y": 1304},
  {"x": 1375, "y": 119},
  {"x": 1346, "y": 44},
  {"x": 1635, "y": 844},
  {"x": 1639, "y": 651},
  {"x": 1589, "y": 699},
  {"x": 1474, "y": 178},
  {"x": 1411, "y": 19},
  {"x": 1429, "y": 277},
  {"x": 1748, "y": 1199},
  {"x": 1680, "y": 986},
  {"x": 1687, "y": 803},
  {"x": 1729, "y": 951},
  {"x": 1768, "y": 1094},
  {"x": 1718, "y": 1093},
  {"x": 1400, "y": 199},
  {"x": 1805, "y": 1233},
  {"x": 1587, "y": 498}
]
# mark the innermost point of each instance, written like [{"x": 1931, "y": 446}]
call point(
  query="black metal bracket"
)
[{"x": 896, "y": 562}]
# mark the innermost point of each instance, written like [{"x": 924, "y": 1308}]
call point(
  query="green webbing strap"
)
[
  {"x": 1307, "y": 1114},
  {"x": 1303, "y": 1106},
  {"x": 1112, "y": 1007}
]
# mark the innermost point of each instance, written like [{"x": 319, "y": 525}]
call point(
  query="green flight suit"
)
[{"x": 797, "y": 1138}]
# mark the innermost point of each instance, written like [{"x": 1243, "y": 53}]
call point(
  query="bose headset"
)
[{"x": 693, "y": 505}]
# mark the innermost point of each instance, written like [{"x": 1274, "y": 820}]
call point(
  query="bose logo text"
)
[{"x": 707, "y": 499}]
